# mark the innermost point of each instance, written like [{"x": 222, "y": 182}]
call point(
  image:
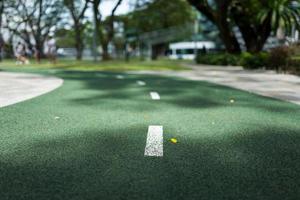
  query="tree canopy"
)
[
  {"x": 255, "y": 19},
  {"x": 33, "y": 20},
  {"x": 160, "y": 14}
]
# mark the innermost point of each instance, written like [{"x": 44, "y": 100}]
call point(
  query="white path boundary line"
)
[
  {"x": 141, "y": 83},
  {"x": 154, "y": 144},
  {"x": 154, "y": 95}
]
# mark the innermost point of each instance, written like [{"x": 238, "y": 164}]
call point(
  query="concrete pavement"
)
[{"x": 17, "y": 87}]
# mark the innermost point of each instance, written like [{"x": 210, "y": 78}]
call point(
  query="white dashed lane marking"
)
[
  {"x": 141, "y": 83},
  {"x": 154, "y": 144},
  {"x": 119, "y": 77},
  {"x": 154, "y": 95}
]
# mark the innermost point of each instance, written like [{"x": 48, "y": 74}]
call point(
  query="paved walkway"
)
[
  {"x": 267, "y": 83},
  {"x": 17, "y": 87}
]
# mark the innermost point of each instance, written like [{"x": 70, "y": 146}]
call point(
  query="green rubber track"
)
[{"x": 86, "y": 141}]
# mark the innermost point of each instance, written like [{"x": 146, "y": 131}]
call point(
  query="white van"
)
[{"x": 186, "y": 50}]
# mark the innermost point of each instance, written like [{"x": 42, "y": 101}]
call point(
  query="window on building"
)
[
  {"x": 179, "y": 51},
  {"x": 189, "y": 51}
]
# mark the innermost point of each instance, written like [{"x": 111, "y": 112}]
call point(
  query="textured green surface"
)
[{"x": 246, "y": 150}]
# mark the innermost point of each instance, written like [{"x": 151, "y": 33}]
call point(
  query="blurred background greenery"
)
[{"x": 98, "y": 34}]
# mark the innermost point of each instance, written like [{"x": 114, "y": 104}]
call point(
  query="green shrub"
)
[
  {"x": 254, "y": 61},
  {"x": 8, "y": 50},
  {"x": 218, "y": 59},
  {"x": 294, "y": 60},
  {"x": 294, "y": 66},
  {"x": 280, "y": 57}
]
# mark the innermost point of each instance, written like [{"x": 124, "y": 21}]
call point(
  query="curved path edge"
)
[{"x": 18, "y": 87}]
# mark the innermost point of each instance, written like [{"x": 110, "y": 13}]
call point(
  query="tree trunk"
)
[
  {"x": 158, "y": 50},
  {"x": 8, "y": 48},
  {"x": 104, "y": 43},
  {"x": 1, "y": 47},
  {"x": 264, "y": 32},
  {"x": 1, "y": 37},
  {"x": 96, "y": 28},
  {"x": 254, "y": 42},
  {"x": 105, "y": 54},
  {"x": 228, "y": 38},
  {"x": 99, "y": 32},
  {"x": 78, "y": 42},
  {"x": 79, "y": 51},
  {"x": 219, "y": 17},
  {"x": 254, "y": 35},
  {"x": 39, "y": 47},
  {"x": 28, "y": 41}
]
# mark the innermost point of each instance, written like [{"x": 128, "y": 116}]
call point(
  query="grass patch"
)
[{"x": 113, "y": 65}]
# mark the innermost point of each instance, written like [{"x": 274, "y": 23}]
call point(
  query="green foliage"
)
[
  {"x": 160, "y": 14},
  {"x": 65, "y": 38},
  {"x": 279, "y": 58},
  {"x": 112, "y": 65},
  {"x": 254, "y": 61},
  {"x": 256, "y": 19},
  {"x": 286, "y": 59},
  {"x": 8, "y": 50},
  {"x": 294, "y": 66},
  {"x": 284, "y": 13},
  {"x": 218, "y": 59},
  {"x": 247, "y": 60}
]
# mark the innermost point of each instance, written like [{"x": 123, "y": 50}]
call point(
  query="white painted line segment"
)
[
  {"x": 154, "y": 95},
  {"x": 120, "y": 77},
  {"x": 141, "y": 83},
  {"x": 154, "y": 144}
]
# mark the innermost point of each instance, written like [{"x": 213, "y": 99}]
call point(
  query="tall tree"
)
[
  {"x": 1, "y": 12},
  {"x": 156, "y": 15},
  {"x": 77, "y": 10},
  {"x": 35, "y": 20},
  {"x": 284, "y": 14},
  {"x": 218, "y": 14},
  {"x": 108, "y": 31},
  {"x": 105, "y": 33},
  {"x": 160, "y": 14},
  {"x": 96, "y": 21},
  {"x": 269, "y": 15},
  {"x": 255, "y": 19},
  {"x": 1, "y": 36}
]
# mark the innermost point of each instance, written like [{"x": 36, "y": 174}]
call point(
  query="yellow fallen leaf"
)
[{"x": 174, "y": 140}]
